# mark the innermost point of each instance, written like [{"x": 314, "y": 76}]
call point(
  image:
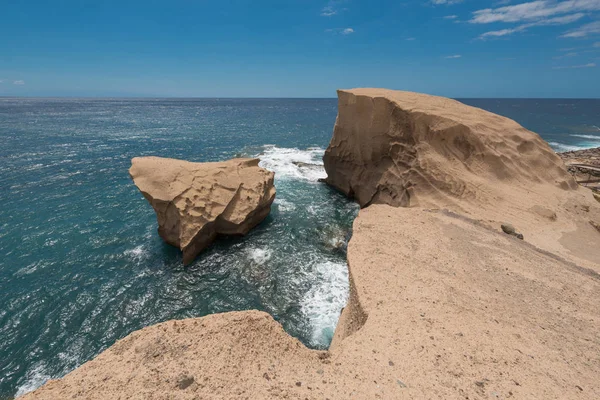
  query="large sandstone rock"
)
[
  {"x": 195, "y": 202},
  {"x": 407, "y": 149}
]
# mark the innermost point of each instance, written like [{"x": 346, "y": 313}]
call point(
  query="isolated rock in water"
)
[
  {"x": 195, "y": 202},
  {"x": 407, "y": 149}
]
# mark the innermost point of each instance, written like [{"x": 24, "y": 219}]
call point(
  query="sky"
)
[{"x": 299, "y": 48}]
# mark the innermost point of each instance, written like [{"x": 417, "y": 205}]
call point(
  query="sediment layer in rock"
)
[
  {"x": 410, "y": 149},
  {"x": 195, "y": 202}
]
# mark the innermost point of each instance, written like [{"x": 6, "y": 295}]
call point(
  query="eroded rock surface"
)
[
  {"x": 410, "y": 149},
  {"x": 195, "y": 202}
]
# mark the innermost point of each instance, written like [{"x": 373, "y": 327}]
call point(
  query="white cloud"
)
[
  {"x": 533, "y": 10},
  {"x": 19, "y": 82},
  {"x": 328, "y": 11},
  {"x": 333, "y": 8},
  {"x": 584, "y": 30},
  {"x": 340, "y": 31},
  {"x": 446, "y": 2},
  {"x": 565, "y": 19},
  {"x": 571, "y": 54},
  {"x": 453, "y": 56},
  {"x": 590, "y": 65},
  {"x": 451, "y": 17}
]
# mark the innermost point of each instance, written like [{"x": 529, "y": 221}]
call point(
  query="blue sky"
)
[{"x": 299, "y": 48}]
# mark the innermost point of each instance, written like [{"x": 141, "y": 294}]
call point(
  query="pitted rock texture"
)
[
  {"x": 411, "y": 149},
  {"x": 195, "y": 202}
]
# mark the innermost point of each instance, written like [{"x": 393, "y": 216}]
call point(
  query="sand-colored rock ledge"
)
[
  {"x": 410, "y": 149},
  {"x": 195, "y": 202},
  {"x": 416, "y": 150}
]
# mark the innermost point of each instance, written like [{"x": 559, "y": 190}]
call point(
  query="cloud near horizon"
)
[
  {"x": 19, "y": 82},
  {"x": 453, "y": 56}
]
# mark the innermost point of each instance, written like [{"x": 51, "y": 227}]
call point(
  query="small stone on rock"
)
[
  {"x": 185, "y": 381},
  {"x": 508, "y": 228}
]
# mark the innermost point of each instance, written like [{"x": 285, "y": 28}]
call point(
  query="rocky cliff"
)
[
  {"x": 410, "y": 149},
  {"x": 195, "y": 202},
  {"x": 443, "y": 304}
]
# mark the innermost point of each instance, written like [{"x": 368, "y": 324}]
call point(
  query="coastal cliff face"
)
[
  {"x": 443, "y": 304},
  {"x": 443, "y": 308},
  {"x": 195, "y": 202},
  {"x": 410, "y": 149}
]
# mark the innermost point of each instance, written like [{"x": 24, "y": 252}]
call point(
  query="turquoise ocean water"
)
[{"x": 81, "y": 264}]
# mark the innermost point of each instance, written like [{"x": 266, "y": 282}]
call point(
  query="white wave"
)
[
  {"x": 35, "y": 379},
  {"x": 292, "y": 163},
  {"x": 335, "y": 238},
  {"x": 323, "y": 303},
  {"x": 590, "y": 137},
  {"x": 137, "y": 254},
  {"x": 285, "y": 205},
  {"x": 560, "y": 147},
  {"x": 260, "y": 256},
  {"x": 31, "y": 268}
]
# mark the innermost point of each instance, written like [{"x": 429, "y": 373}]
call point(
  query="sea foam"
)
[
  {"x": 35, "y": 378},
  {"x": 561, "y": 147},
  {"x": 323, "y": 303},
  {"x": 292, "y": 163}
]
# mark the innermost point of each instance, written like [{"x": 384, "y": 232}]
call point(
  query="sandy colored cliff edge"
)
[{"x": 443, "y": 304}]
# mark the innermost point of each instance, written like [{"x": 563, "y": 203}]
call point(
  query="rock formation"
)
[
  {"x": 195, "y": 202},
  {"x": 587, "y": 177},
  {"x": 442, "y": 303},
  {"x": 409, "y": 149},
  {"x": 440, "y": 308}
]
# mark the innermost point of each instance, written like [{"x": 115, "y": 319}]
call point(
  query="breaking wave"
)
[
  {"x": 561, "y": 147},
  {"x": 323, "y": 303},
  {"x": 292, "y": 163},
  {"x": 589, "y": 137}
]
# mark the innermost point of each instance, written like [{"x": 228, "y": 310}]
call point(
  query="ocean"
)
[{"x": 81, "y": 263}]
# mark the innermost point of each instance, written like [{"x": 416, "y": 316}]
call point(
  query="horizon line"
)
[{"x": 267, "y": 98}]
